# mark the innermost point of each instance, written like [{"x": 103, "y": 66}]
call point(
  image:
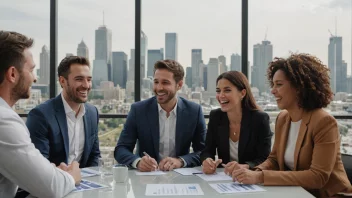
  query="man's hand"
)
[
  {"x": 73, "y": 169},
  {"x": 231, "y": 166},
  {"x": 247, "y": 176},
  {"x": 63, "y": 166},
  {"x": 170, "y": 163},
  {"x": 209, "y": 165},
  {"x": 147, "y": 164}
]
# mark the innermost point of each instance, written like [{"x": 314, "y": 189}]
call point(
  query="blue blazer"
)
[
  {"x": 48, "y": 130},
  {"x": 142, "y": 124}
]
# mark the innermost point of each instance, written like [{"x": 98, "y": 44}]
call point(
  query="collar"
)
[
  {"x": 4, "y": 103},
  {"x": 173, "y": 111},
  {"x": 69, "y": 110}
]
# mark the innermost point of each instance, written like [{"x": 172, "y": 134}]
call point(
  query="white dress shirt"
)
[
  {"x": 291, "y": 144},
  {"x": 233, "y": 150},
  {"x": 22, "y": 165},
  {"x": 75, "y": 126},
  {"x": 167, "y": 130}
]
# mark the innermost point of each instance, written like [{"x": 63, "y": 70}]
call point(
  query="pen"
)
[
  {"x": 197, "y": 173},
  {"x": 146, "y": 154}
]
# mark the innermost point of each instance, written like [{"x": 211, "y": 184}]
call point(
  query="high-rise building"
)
[
  {"x": 100, "y": 72},
  {"x": 44, "y": 71},
  {"x": 236, "y": 63},
  {"x": 213, "y": 73},
  {"x": 197, "y": 77},
  {"x": 130, "y": 76},
  {"x": 171, "y": 46},
  {"x": 69, "y": 54},
  {"x": 144, "y": 48},
  {"x": 262, "y": 56},
  {"x": 222, "y": 63},
  {"x": 153, "y": 57},
  {"x": 189, "y": 77},
  {"x": 338, "y": 73},
  {"x": 82, "y": 50},
  {"x": 205, "y": 77},
  {"x": 103, "y": 41},
  {"x": 119, "y": 68}
]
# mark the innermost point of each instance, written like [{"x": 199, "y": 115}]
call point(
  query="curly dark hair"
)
[
  {"x": 172, "y": 66},
  {"x": 308, "y": 75}
]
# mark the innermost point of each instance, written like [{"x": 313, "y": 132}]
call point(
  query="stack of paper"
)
[
  {"x": 235, "y": 187},
  {"x": 187, "y": 171},
  {"x": 215, "y": 177},
  {"x": 150, "y": 173},
  {"x": 173, "y": 189}
]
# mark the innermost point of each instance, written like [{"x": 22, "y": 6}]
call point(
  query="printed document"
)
[
  {"x": 215, "y": 177},
  {"x": 88, "y": 185},
  {"x": 188, "y": 171},
  {"x": 151, "y": 173},
  {"x": 173, "y": 189},
  {"x": 235, "y": 187}
]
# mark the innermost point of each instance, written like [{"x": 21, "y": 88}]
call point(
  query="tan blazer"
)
[{"x": 317, "y": 160}]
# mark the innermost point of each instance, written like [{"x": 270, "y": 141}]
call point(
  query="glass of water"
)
[{"x": 105, "y": 166}]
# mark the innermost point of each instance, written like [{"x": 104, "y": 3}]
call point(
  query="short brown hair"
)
[
  {"x": 308, "y": 75},
  {"x": 12, "y": 45},
  {"x": 172, "y": 66},
  {"x": 239, "y": 80},
  {"x": 65, "y": 64}
]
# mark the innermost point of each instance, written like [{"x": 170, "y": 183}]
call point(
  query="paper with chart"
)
[
  {"x": 87, "y": 172},
  {"x": 235, "y": 187},
  {"x": 173, "y": 189},
  {"x": 158, "y": 172},
  {"x": 187, "y": 171},
  {"x": 215, "y": 177},
  {"x": 88, "y": 185}
]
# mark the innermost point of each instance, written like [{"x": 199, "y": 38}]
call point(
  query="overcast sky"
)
[{"x": 212, "y": 25}]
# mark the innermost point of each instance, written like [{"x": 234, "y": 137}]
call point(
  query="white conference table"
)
[{"x": 136, "y": 185}]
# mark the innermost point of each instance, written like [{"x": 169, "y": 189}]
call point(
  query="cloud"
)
[
  {"x": 340, "y": 4},
  {"x": 9, "y": 13}
]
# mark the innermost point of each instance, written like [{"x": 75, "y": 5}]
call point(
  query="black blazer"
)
[{"x": 254, "y": 141}]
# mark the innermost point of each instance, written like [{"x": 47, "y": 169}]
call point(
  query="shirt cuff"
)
[
  {"x": 184, "y": 162},
  {"x": 135, "y": 162}
]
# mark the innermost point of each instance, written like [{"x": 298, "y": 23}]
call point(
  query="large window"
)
[
  {"x": 102, "y": 31},
  {"x": 32, "y": 19},
  {"x": 320, "y": 28},
  {"x": 202, "y": 35}
]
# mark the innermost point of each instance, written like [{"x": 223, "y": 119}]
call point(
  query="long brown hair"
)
[{"x": 240, "y": 81}]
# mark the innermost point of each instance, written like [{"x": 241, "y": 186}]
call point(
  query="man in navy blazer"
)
[
  {"x": 165, "y": 126},
  {"x": 65, "y": 128}
]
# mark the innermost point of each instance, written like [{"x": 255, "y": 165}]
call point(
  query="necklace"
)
[{"x": 234, "y": 133}]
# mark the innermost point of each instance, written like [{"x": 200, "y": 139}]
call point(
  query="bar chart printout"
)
[
  {"x": 173, "y": 189},
  {"x": 235, "y": 188}
]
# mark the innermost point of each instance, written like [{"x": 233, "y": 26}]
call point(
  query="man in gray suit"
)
[{"x": 22, "y": 165}]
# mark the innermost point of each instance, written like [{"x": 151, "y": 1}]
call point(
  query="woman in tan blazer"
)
[{"x": 306, "y": 150}]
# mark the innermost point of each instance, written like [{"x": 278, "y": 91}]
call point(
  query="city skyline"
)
[{"x": 302, "y": 26}]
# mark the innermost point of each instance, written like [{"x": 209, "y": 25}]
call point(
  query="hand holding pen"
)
[{"x": 147, "y": 163}]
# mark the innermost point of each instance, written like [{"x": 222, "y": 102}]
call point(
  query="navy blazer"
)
[
  {"x": 142, "y": 124},
  {"x": 254, "y": 142},
  {"x": 48, "y": 130}
]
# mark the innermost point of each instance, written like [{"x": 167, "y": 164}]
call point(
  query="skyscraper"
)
[
  {"x": 236, "y": 63},
  {"x": 82, "y": 50},
  {"x": 338, "y": 73},
  {"x": 189, "y": 77},
  {"x": 153, "y": 57},
  {"x": 103, "y": 46},
  {"x": 197, "y": 79},
  {"x": 144, "y": 48},
  {"x": 213, "y": 73},
  {"x": 44, "y": 71},
  {"x": 262, "y": 56},
  {"x": 222, "y": 63},
  {"x": 171, "y": 46},
  {"x": 119, "y": 68},
  {"x": 130, "y": 76}
]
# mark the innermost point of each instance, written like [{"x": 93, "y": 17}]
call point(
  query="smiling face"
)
[
  {"x": 285, "y": 94},
  {"x": 228, "y": 96},
  {"x": 165, "y": 86},
  {"x": 78, "y": 83}
]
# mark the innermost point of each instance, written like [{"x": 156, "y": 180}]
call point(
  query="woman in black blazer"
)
[{"x": 238, "y": 131}]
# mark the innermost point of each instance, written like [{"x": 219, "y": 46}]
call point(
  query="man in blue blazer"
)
[
  {"x": 165, "y": 126},
  {"x": 65, "y": 128}
]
